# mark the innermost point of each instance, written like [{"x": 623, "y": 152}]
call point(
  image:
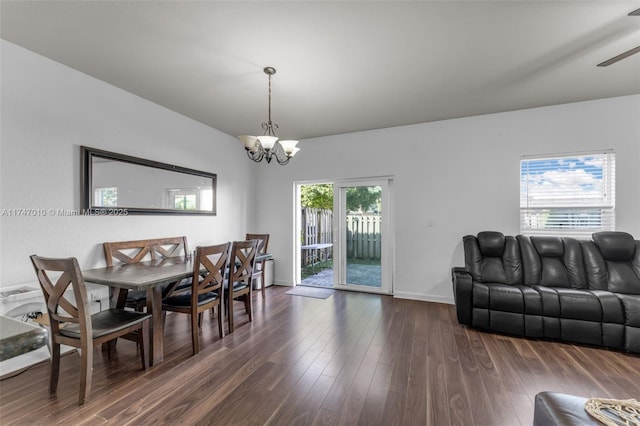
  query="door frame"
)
[
  {"x": 387, "y": 256},
  {"x": 389, "y": 230}
]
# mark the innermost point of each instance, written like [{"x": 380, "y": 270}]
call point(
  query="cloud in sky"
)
[{"x": 560, "y": 181}]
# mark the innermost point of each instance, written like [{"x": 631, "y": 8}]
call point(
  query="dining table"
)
[{"x": 152, "y": 276}]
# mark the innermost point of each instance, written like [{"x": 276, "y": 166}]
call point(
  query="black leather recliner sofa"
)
[{"x": 559, "y": 288}]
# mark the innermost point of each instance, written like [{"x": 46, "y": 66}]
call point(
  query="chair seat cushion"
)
[
  {"x": 185, "y": 283},
  {"x": 105, "y": 322},
  {"x": 184, "y": 299},
  {"x": 136, "y": 296},
  {"x": 236, "y": 286}
]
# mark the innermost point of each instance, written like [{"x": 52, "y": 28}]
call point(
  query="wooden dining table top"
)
[
  {"x": 150, "y": 273},
  {"x": 140, "y": 275}
]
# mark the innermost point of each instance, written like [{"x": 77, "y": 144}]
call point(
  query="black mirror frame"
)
[{"x": 86, "y": 167}]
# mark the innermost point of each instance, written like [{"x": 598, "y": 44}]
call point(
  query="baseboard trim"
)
[
  {"x": 398, "y": 294},
  {"x": 423, "y": 297}
]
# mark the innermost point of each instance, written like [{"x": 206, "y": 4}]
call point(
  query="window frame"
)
[{"x": 566, "y": 213}]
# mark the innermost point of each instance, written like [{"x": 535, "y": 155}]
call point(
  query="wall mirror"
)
[{"x": 119, "y": 182}]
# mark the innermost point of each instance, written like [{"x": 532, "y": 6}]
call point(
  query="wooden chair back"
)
[
  {"x": 258, "y": 272},
  {"x": 55, "y": 276},
  {"x": 243, "y": 256},
  {"x": 71, "y": 322},
  {"x": 206, "y": 290},
  {"x": 135, "y": 251},
  {"x": 263, "y": 241},
  {"x": 209, "y": 269}
]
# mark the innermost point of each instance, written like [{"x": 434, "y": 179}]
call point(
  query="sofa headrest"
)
[
  {"x": 491, "y": 243},
  {"x": 548, "y": 246},
  {"x": 615, "y": 246}
]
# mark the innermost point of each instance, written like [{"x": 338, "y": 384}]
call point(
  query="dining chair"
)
[
  {"x": 135, "y": 251},
  {"x": 72, "y": 324},
  {"x": 206, "y": 291},
  {"x": 239, "y": 286},
  {"x": 258, "y": 272}
]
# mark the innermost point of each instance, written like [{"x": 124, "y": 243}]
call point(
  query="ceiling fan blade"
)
[
  {"x": 619, "y": 57},
  {"x": 635, "y": 13}
]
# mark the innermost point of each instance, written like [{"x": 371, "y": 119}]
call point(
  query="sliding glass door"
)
[{"x": 361, "y": 236}]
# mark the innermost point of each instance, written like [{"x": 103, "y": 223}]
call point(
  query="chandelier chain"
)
[
  {"x": 269, "y": 127},
  {"x": 269, "y": 98}
]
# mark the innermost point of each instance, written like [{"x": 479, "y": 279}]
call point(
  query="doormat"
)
[{"x": 318, "y": 293}]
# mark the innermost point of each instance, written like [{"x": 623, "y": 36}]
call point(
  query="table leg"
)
[
  {"x": 118, "y": 297},
  {"x": 118, "y": 300},
  {"x": 154, "y": 304}
]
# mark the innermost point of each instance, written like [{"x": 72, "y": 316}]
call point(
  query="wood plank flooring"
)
[{"x": 351, "y": 359}]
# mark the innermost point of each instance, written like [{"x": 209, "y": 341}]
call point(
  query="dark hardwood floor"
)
[{"x": 350, "y": 359}]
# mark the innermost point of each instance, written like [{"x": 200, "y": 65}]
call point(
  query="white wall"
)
[
  {"x": 462, "y": 175},
  {"x": 48, "y": 111}
]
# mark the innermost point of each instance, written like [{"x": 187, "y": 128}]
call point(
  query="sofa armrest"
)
[{"x": 462, "y": 294}]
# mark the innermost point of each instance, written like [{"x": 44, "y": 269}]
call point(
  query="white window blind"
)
[{"x": 571, "y": 195}]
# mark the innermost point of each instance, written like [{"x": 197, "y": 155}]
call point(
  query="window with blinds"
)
[{"x": 572, "y": 195}]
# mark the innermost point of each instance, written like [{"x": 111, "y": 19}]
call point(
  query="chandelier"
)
[{"x": 267, "y": 146}]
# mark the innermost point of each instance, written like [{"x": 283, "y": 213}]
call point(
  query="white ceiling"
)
[{"x": 341, "y": 66}]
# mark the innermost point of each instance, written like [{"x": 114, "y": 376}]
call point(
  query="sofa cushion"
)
[
  {"x": 552, "y": 261},
  {"x": 512, "y": 309},
  {"x": 611, "y": 267},
  {"x": 615, "y": 246},
  {"x": 612, "y": 307},
  {"x": 493, "y": 258},
  {"x": 631, "y": 307},
  {"x": 507, "y": 322},
  {"x": 548, "y": 246},
  {"x": 553, "y": 273},
  {"x": 578, "y": 304},
  {"x": 491, "y": 243},
  {"x": 622, "y": 279},
  {"x": 581, "y": 331},
  {"x": 632, "y": 339},
  {"x": 503, "y": 297},
  {"x": 492, "y": 270}
]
